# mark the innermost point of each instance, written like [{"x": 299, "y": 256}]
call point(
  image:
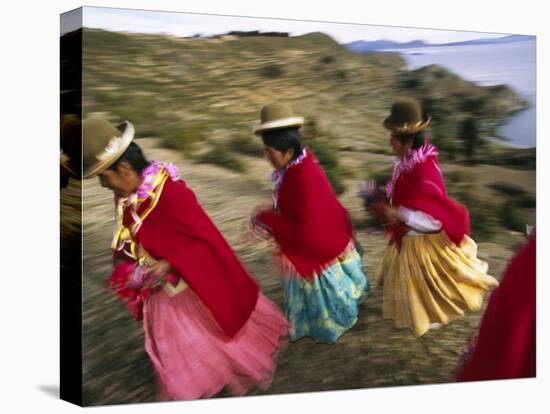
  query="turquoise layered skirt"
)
[{"x": 327, "y": 306}]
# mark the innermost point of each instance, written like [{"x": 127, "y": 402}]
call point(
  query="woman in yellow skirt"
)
[{"x": 430, "y": 272}]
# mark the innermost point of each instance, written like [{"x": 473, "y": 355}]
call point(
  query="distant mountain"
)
[
  {"x": 362, "y": 46},
  {"x": 504, "y": 39}
]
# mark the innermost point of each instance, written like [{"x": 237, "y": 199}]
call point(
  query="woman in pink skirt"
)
[{"x": 207, "y": 326}]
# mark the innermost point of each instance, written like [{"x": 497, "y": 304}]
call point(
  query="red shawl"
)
[
  {"x": 310, "y": 225},
  {"x": 506, "y": 344},
  {"x": 179, "y": 231},
  {"x": 422, "y": 188}
]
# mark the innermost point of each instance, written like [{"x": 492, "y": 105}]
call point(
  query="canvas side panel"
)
[{"x": 71, "y": 215}]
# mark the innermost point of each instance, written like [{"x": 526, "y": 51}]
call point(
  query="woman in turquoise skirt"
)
[{"x": 324, "y": 283}]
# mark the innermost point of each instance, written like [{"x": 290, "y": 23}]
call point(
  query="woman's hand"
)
[
  {"x": 255, "y": 223},
  {"x": 157, "y": 272},
  {"x": 253, "y": 230},
  {"x": 371, "y": 193},
  {"x": 393, "y": 217}
]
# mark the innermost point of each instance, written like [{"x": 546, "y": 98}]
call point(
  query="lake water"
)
[{"x": 513, "y": 64}]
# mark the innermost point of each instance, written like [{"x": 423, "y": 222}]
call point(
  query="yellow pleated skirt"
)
[{"x": 432, "y": 280}]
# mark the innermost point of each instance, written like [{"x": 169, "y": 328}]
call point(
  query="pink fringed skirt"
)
[{"x": 190, "y": 356}]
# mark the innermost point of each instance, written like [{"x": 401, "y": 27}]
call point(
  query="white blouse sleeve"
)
[{"x": 419, "y": 221}]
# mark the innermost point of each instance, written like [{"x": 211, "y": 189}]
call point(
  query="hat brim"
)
[
  {"x": 406, "y": 128},
  {"x": 292, "y": 122},
  {"x": 106, "y": 159},
  {"x": 64, "y": 162}
]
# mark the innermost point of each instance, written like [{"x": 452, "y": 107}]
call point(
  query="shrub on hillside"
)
[
  {"x": 526, "y": 201},
  {"x": 243, "y": 143},
  {"x": 507, "y": 188},
  {"x": 326, "y": 151},
  {"x": 272, "y": 71},
  {"x": 512, "y": 218},
  {"x": 327, "y": 59},
  {"x": 484, "y": 220},
  {"x": 182, "y": 136},
  {"x": 222, "y": 156}
]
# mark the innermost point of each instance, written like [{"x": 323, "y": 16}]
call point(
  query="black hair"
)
[
  {"x": 417, "y": 139},
  {"x": 133, "y": 156},
  {"x": 283, "y": 140}
]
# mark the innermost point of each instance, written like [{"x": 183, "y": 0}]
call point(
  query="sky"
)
[{"x": 187, "y": 24}]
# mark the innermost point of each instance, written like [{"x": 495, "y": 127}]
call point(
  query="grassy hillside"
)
[
  {"x": 214, "y": 87},
  {"x": 206, "y": 89}
]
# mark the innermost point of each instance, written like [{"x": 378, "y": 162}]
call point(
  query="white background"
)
[{"x": 29, "y": 302}]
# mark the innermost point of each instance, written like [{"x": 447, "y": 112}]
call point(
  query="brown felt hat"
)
[
  {"x": 277, "y": 116},
  {"x": 103, "y": 144},
  {"x": 406, "y": 117}
]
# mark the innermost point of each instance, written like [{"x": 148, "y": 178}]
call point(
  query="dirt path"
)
[{"x": 372, "y": 354}]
